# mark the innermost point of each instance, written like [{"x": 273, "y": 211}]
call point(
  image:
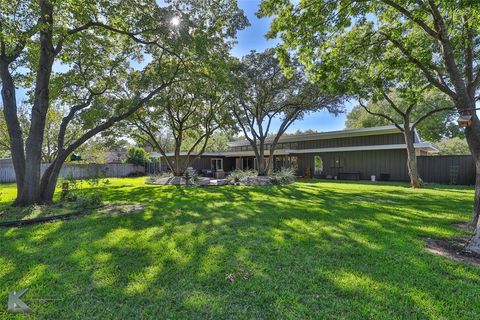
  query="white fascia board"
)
[
  {"x": 278, "y": 152},
  {"x": 193, "y": 154},
  {"x": 427, "y": 146},
  {"x": 326, "y": 135}
]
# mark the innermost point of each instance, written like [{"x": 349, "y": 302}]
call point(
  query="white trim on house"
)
[
  {"x": 278, "y": 152},
  {"x": 193, "y": 154},
  {"x": 326, "y": 135},
  {"x": 424, "y": 146}
]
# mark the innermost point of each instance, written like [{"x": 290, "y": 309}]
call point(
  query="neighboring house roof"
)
[
  {"x": 328, "y": 135},
  {"x": 115, "y": 156}
]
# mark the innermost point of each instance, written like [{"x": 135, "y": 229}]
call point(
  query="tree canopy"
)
[
  {"x": 99, "y": 62},
  {"x": 436, "y": 127},
  {"x": 435, "y": 42},
  {"x": 264, "y": 93},
  {"x": 184, "y": 118}
]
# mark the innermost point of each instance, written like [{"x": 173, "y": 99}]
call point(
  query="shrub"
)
[
  {"x": 88, "y": 201},
  {"x": 284, "y": 175},
  {"x": 238, "y": 175},
  {"x": 191, "y": 177},
  {"x": 153, "y": 178},
  {"x": 137, "y": 156}
]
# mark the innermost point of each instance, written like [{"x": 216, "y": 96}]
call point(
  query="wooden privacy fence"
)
[
  {"x": 447, "y": 169},
  {"x": 80, "y": 171}
]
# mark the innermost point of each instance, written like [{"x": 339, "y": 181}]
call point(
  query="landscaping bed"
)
[{"x": 236, "y": 177}]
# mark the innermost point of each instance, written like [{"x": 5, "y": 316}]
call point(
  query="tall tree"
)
[
  {"x": 453, "y": 146},
  {"x": 97, "y": 43},
  {"x": 192, "y": 112},
  {"x": 438, "y": 39},
  {"x": 265, "y": 93},
  {"x": 436, "y": 127}
]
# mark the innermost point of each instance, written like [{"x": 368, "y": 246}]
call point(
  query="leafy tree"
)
[
  {"x": 218, "y": 141},
  {"x": 96, "y": 42},
  {"x": 137, "y": 156},
  {"x": 453, "y": 146},
  {"x": 434, "y": 128},
  {"x": 437, "y": 40},
  {"x": 265, "y": 93},
  {"x": 192, "y": 113}
]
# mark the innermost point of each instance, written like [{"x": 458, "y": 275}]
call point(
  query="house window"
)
[
  {"x": 318, "y": 165},
  {"x": 246, "y": 163},
  {"x": 217, "y": 164}
]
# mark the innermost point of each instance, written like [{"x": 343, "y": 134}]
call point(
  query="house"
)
[{"x": 345, "y": 154}]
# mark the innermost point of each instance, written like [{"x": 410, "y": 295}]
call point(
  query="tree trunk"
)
[
  {"x": 13, "y": 125},
  {"x": 472, "y": 134},
  {"x": 474, "y": 243},
  {"x": 50, "y": 178},
  {"x": 33, "y": 147},
  {"x": 476, "y": 202},
  {"x": 415, "y": 180},
  {"x": 261, "y": 161},
  {"x": 178, "y": 163},
  {"x": 269, "y": 168}
]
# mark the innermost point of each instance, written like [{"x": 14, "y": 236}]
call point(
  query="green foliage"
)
[
  {"x": 434, "y": 128},
  {"x": 453, "y": 146},
  {"x": 191, "y": 177},
  {"x": 366, "y": 48},
  {"x": 98, "y": 62},
  {"x": 137, "y": 156},
  {"x": 238, "y": 174},
  {"x": 284, "y": 175},
  {"x": 88, "y": 201},
  {"x": 185, "y": 118},
  {"x": 263, "y": 92}
]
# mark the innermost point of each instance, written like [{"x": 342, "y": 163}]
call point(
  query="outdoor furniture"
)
[
  {"x": 207, "y": 173},
  {"x": 219, "y": 174}
]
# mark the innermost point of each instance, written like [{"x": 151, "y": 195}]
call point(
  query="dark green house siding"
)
[{"x": 366, "y": 163}]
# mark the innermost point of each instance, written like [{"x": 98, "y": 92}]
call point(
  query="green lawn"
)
[{"x": 310, "y": 250}]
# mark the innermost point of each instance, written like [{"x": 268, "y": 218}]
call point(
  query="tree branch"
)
[
  {"x": 414, "y": 125},
  {"x": 437, "y": 82},
  {"x": 412, "y": 17},
  {"x": 381, "y": 115}
]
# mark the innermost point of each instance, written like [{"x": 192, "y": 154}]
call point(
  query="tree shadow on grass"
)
[{"x": 310, "y": 251}]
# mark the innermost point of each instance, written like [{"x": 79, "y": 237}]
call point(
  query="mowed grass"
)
[{"x": 309, "y": 250}]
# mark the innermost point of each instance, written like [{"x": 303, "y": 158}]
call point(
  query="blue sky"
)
[{"x": 253, "y": 38}]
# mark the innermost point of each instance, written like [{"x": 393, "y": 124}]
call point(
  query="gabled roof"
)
[{"x": 327, "y": 135}]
